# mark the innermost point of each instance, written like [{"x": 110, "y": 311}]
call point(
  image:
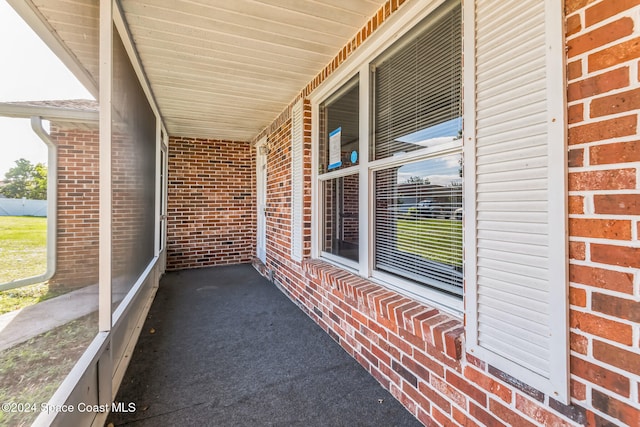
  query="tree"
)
[
  {"x": 26, "y": 180},
  {"x": 39, "y": 191},
  {"x": 418, "y": 180}
]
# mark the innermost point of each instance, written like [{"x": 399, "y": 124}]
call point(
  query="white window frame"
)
[
  {"x": 350, "y": 264},
  {"x": 404, "y": 20},
  {"x": 317, "y": 205}
]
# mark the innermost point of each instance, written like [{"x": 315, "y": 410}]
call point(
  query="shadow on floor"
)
[{"x": 229, "y": 349}]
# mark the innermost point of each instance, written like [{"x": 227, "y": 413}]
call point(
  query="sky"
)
[{"x": 29, "y": 71}]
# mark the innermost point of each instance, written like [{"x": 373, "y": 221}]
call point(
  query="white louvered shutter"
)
[
  {"x": 515, "y": 157},
  {"x": 297, "y": 181}
]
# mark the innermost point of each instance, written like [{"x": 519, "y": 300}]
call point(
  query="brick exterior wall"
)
[
  {"x": 417, "y": 351},
  {"x": 211, "y": 203},
  {"x": 78, "y": 200},
  {"x": 604, "y": 202},
  {"x": 211, "y": 206}
]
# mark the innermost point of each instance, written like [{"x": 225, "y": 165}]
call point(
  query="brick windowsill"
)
[{"x": 419, "y": 324}]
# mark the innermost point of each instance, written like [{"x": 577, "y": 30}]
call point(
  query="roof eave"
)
[{"x": 53, "y": 114}]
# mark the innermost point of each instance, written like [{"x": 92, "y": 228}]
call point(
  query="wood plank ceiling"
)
[{"x": 218, "y": 68}]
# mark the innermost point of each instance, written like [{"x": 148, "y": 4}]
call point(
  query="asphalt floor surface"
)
[{"x": 224, "y": 347}]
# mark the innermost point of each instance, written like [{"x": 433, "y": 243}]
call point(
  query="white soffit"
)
[{"x": 218, "y": 68}]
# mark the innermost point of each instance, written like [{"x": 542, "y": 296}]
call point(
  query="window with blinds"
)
[
  {"x": 418, "y": 222},
  {"x": 338, "y": 152},
  {"x": 417, "y": 106},
  {"x": 404, "y": 167},
  {"x": 417, "y": 99},
  {"x": 339, "y": 129}
]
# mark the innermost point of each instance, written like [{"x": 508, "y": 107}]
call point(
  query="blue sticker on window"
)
[{"x": 354, "y": 156}]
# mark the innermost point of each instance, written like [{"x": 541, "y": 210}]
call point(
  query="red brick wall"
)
[
  {"x": 416, "y": 351},
  {"x": 604, "y": 202},
  {"x": 78, "y": 199},
  {"x": 211, "y": 203}
]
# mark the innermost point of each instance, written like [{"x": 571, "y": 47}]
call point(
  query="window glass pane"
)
[
  {"x": 341, "y": 216},
  {"x": 417, "y": 101},
  {"x": 418, "y": 222},
  {"x": 339, "y": 127}
]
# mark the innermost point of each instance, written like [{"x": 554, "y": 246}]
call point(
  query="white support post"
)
[
  {"x": 365, "y": 210},
  {"x": 106, "y": 75},
  {"x": 105, "y": 364},
  {"x": 158, "y": 195}
]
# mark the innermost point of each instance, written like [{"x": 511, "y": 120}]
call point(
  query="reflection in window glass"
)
[
  {"x": 339, "y": 127},
  {"x": 418, "y": 221},
  {"x": 341, "y": 217}
]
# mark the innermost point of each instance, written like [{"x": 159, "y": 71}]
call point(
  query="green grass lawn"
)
[
  {"x": 23, "y": 253},
  {"x": 434, "y": 239},
  {"x": 23, "y": 247},
  {"x": 32, "y": 371}
]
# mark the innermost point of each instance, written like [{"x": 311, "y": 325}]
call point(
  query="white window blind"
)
[
  {"x": 418, "y": 201},
  {"x": 297, "y": 181},
  {"x": 515, "y": 161},
  {"x": 418, "y": 86},
  {"x": 418, "y": 222},
  {"x": 339, "y": 115}
]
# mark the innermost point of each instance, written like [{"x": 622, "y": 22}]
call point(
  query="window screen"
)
[
  {"x": 417, "y": 100},
  {"x": 133, "y": 174}
]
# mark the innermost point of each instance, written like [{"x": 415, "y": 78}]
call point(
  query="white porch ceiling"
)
[{"x": 217, "y": 68}]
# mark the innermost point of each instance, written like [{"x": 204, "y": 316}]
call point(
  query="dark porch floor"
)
[{"x": 229, "y": 349}]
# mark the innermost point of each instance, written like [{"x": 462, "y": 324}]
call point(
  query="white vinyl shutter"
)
[
  {"x": 297, "y": 181},
  {"x": 515, "y": 157}
]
